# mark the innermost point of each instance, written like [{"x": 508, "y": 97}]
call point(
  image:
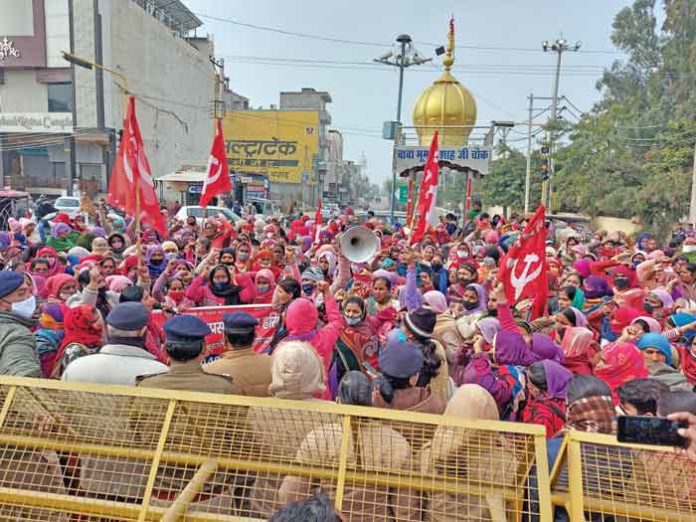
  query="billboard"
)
[{"x": 279, "y": 144}]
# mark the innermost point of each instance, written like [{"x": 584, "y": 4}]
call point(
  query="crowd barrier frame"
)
[{"x": 518, "y": 499}]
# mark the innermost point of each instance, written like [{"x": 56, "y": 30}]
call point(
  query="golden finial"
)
[{"x": 449, "y": 56}]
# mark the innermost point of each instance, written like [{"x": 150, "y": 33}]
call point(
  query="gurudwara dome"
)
[{"x": 445, "y": 103}]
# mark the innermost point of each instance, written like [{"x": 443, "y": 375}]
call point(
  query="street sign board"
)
[{"x": 402, "y": 194}]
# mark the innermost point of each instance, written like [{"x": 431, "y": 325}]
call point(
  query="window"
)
[{"x": 60, "y": 97}]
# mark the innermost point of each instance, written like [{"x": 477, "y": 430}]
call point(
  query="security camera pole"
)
[
  {"x": 406, "y": 57},
  {"x": 559, "y": 47}
]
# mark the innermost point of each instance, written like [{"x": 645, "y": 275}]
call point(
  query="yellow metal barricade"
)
[
  {"x": 71, "y": 451},
  {"x": 596, "y": 478}
]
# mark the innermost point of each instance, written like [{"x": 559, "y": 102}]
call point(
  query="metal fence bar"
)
[
  {"x": 156, "y": 461},
  {"x": 575, "y": 481},
  {"x": 543, "y": 479},
  {"x": 7, "y": 404},
  {"x": 343, "y": 462}
]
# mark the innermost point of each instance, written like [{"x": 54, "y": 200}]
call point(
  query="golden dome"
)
[{"x": 446, "y": 102}]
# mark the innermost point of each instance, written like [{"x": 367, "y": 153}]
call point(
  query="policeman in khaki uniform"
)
[
  {"x": 250, "y": 371},
  {"x": 184, "y": 342}
]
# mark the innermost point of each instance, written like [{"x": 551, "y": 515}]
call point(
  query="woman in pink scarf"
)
[{"x": 579, "y": 349}]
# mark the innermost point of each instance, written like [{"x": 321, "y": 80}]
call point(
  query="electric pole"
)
[
  {"x": 405, "y": 57},
  {"x": 692, "y": 207},
  {"x": 528, "y": 174},
  {"x": 559, "y": 46}
]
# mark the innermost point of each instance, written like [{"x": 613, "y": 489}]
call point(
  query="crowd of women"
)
[{"x": 420, "y": 327}]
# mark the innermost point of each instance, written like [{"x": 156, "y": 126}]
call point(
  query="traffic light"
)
[{"x": 544, "y": 170}]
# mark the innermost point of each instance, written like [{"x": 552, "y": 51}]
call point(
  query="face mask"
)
[
  {"x": 636, "y": 262},
  {"x": 437, "y": 266},
  {"x": 156, "y": 262},
  {"x": 26, "y": 308},
  {"x": 621, "y": 283},
  {"x": 469, "y": 305},
  {"x": 461, "y": 254},
  {"x": 170, "y": 256},
  {"x": 649, "y": 308},
  {"x": 325, "y": 270},
  {"x": 221, "y": 287},
  {"x": 64, "y": 297},
  {"x": 308, "y": 288},
  {"x": 493, "y": 312},
  {"x": 242, "y": 256},
  {"x": 353, "y": 321},
  {"x": 262, "y": 289},
  {"x": 176, "y": 295}
]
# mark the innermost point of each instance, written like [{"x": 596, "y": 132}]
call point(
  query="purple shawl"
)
[
  {"x": 557, "y": 379},
  {"x": 482, "y": 300},
  {"x": 544, "y": 348},
  {"x": 510, "y": 348}
]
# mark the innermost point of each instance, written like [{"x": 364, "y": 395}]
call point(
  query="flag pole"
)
[{"x": 138, "y": 239}]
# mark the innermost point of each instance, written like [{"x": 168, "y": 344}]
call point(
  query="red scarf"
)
[{"x": 688, "y": 363}]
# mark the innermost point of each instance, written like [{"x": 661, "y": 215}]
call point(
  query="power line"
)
[
  {"x": 292, "y": 33},
  {"x": 372, "y": 43}
]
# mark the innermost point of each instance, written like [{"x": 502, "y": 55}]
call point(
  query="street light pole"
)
[
  {"x": 559, "y": 46},
  {"x": 403, "y": 39},
  {"x": 81, "y": 62},
  {"x": 406, "y": 58}
]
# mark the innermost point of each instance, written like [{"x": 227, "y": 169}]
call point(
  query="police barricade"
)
[
  {"x": 78, "y": 451},
  {"x": 596, "y": 478}
]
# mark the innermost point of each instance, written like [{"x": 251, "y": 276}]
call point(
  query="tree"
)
[
  {"x": 505, "y": 183},
  {"x": 632, "y": 154}
]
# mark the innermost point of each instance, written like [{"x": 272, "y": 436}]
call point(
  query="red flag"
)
[
  {"x": 318, "y": 220},
  {"x": 131, "y": 177},
  {"x": 523, "y": 269},
  {"x": 428, "y": 192},
  {"x": 217, "y": 180}
]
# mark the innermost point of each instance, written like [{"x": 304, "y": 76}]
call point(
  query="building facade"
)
[
  {"x": 334, "y": 165},
  {"x": 311, "y": 99},
  {"x": 60, "y": 123}
]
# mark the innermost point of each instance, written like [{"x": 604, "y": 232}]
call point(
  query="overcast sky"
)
[{"x": 501, "y": 61}]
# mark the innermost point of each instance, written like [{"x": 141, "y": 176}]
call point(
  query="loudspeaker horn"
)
[{"x": 359, "y": 244}]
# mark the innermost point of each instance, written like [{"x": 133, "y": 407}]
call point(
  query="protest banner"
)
[{"x": 212, "y": 316}]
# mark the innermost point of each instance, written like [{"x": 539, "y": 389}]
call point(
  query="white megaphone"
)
[{"x": 359, "y": 244}]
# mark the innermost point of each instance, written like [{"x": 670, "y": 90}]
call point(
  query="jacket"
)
[
  {"x": 114, "y": 364},
  {"x": 188, "y": 376},
  {"x": 89, "y": 297},
  {"x": 17, "y": 347},
  {"x": 200, "y": 294},
  {"x": 279, "y": 433},
  {"x": 301, "y": 322},
  {"x": 250, "y": 372},
  {"x": 673, "y": 378},
  {"x": 373, "y": 447}
]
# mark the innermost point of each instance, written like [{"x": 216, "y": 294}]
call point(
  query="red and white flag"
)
[
  {"x": 318, "y": 220},
  {"x": 131, "y": 187},
  {"x": 217, "y": 181},
  {"x": 428, "y": 192},
  {"x": 523, "y": 268}
]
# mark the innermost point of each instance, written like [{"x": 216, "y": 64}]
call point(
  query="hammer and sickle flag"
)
[
  {"x": 523, "y": 268},
  {"x": 217, "y": 180}
]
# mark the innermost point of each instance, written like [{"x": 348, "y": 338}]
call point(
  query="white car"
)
[
  {"x": 68, "y": 204},
  {"x": 201, "y": 213}
]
